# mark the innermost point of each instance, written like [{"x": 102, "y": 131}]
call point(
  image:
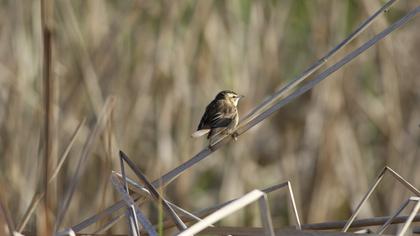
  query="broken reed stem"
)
[{"x": 46, "y": 24}]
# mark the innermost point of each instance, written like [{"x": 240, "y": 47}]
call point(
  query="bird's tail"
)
[{"x": 200, "y": 133}]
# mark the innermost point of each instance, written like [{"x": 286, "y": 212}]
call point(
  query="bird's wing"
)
[{"x": 217, "y": 115}]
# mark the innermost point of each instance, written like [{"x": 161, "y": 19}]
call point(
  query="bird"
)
[{"x": 221, "y": 116}]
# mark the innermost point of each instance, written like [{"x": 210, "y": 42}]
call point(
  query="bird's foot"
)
[
  {"x": 235, "y": 136},
  {"x": 211, "y": 144}
]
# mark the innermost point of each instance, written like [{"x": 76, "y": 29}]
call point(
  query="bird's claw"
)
[{"x": 235, "y": 136}]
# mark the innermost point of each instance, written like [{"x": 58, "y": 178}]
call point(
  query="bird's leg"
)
[
  {"x": 210, "y": 146},
  {"x": 234, "y": 136}
]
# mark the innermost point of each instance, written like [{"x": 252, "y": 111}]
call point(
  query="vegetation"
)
[{"x": 136, "y": 76}]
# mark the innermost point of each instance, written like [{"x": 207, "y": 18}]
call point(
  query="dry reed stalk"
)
[{"x": 48, "y": 82}]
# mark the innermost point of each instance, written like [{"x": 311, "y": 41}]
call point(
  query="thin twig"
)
[
  {"x": 293, "y": 202},
  {"x": 67, "y": 151}
]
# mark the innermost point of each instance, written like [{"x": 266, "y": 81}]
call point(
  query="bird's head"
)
[{"x": 230, "y": 96}]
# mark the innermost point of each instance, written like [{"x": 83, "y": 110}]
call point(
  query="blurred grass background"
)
[{"x": 164, "y": 61}]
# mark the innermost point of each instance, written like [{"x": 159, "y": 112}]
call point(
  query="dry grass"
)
[{"x": 163, "y": 61}]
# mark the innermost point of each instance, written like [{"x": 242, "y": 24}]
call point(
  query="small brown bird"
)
[{"x": 221, "y": 115}]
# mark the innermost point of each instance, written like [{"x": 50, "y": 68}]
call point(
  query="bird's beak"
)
[{"x": 241, "y": 96}]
